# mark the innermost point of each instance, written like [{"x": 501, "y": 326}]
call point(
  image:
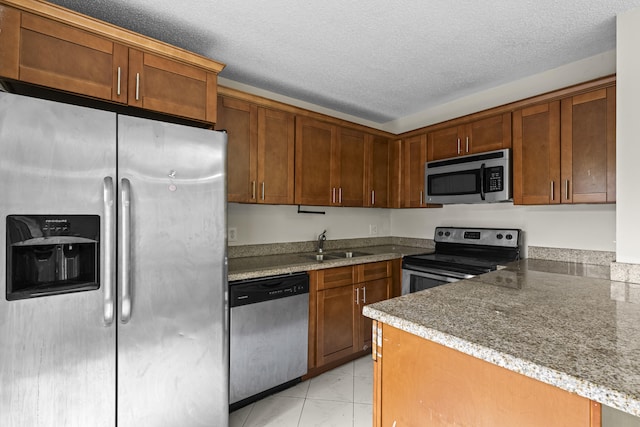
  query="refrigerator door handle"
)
[
  {"x": 125, "y": 250},
  {"x": 109, "y": 249}
]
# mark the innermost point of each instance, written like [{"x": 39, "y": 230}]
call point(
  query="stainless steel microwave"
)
[{"x": 476, "y": 178}]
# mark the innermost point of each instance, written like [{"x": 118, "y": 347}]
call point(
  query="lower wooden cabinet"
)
[
  {"x": 337, "y": 328},
  {"x": 416, "y": 380}
]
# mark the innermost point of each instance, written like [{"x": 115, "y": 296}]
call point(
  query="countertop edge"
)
[
  {"x": 311, "y": 265},
  {"x": 535, "y": 371}
]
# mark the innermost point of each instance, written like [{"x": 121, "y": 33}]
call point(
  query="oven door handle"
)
[
  {"x": 482, "y": 195},
  {"x": 449, "y": 276}
]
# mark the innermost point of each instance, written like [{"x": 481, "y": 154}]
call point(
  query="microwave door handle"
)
[{"x": 482, "y": 195}]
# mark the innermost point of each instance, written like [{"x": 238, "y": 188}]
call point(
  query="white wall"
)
[
  {"x": 628, "y": 138},
  {"x": 258, "y": 224},
  {"x": 589, "y": 227}
]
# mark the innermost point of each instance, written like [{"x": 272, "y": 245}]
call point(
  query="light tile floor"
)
[{"x": 342, "y": 397}]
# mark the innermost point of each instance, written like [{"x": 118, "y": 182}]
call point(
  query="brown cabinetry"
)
[
  {"x": 330, "y": 164},
  {"x": 491, "y": 133},
  {"x": 337, "y": 328},
  {"x": 260, "y": 152},
  {"x": 378, "y": 156},
  {"x": 417, "y": 380},
  {"x": 50, "y": 46},
  {"x": 414, "y": 158},
  {"x": 588, "y": 147},
  {"x": 564, "y": 151}
]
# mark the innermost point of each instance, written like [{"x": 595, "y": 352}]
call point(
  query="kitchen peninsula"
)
[{"x": 537, "y": 343}]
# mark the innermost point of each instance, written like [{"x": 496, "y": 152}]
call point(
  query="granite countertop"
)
[
  {"x": 565, "y": 324},
  {"x": 271, "y": 265}
]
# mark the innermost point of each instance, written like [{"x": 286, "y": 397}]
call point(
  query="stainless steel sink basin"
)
[
  {"x": 317, "y": 257},
  {"x": 333, "y": 255},
  {"x": 346, "y": 254}
]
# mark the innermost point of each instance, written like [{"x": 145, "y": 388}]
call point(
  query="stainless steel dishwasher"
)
[{"x": 268, "y": 341}]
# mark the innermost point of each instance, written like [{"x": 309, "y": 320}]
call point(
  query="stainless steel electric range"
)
[{"x": 460, "y": 253}]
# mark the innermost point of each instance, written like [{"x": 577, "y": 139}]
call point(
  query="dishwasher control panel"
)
[{"x": 253, "y": 291}]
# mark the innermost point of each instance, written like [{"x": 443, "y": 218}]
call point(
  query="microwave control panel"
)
[{"x": 493, "y": 179}]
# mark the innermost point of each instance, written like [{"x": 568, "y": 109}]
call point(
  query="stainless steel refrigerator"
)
[{"x": 113, "y": 305}]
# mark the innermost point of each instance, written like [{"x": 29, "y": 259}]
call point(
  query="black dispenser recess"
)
[{"x": 52, "y": 254}]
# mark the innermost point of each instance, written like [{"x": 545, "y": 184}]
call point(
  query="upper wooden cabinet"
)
[
  {"x": 53, "y": 47},
  {"x": 316, "y": 142},
  {"x": 378, "y": 158},
  {"x": 491, "y": 133},
  {"x": 536, "y": 154},
  {"x": 171, "y": 87},
  {"x": 330, "y": 164},
  {"x": 588, "y": 147},
  {"x": 564, "y": 151},
  {"x": 414, "y": 158},
  {"x": 260, "y": 152}
]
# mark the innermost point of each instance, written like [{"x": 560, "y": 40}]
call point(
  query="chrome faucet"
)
[{"x": 321, "y": 238}]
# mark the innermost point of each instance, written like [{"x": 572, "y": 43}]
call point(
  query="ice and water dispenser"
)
[{"x": 52, "y": 254}]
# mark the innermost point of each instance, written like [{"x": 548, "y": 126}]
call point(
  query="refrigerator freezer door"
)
[
  {"x": 57, "y": 357},
  {"x": 172, "y": 327}
]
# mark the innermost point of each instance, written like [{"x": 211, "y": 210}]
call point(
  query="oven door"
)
[{"x": 414, "y": 280}]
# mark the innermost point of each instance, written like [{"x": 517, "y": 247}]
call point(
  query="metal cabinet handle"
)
[
  {"x": 125, "y": 250},
  {"x": 262, "y": 190},
  {"x": 420, "y": 197},
  {"x": 364, "y": 294},
  {"x": 357, "y": 296},
  {"x": 137, "y": 86},
  {"x": 467, "y": 145},
  {"x": 253, "y": 190},
  {"x": 109, "y": 249},
  {"x": 119, "y": 75},
  {"x": 458, "y": 145},
  {"x": 340, "y": 195},
  {"x": 333, "y": 195},
  {"x": 373, "y": 197},
  {"x": 566, "y": 189},
  {"x": 552, "y": 197}
]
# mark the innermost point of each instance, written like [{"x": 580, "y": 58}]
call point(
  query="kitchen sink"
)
[
  {"x": 333, "y": 255},
  {"x": 345, "y": 254}
]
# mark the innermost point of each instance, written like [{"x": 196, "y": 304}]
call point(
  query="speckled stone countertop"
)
[
  {"x": 565, "y": 324},
  {"x": 271, "y": 265}
]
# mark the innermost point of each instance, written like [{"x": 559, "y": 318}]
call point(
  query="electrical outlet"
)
[
  {"x": 373, "y": 229},
  {"x": 232, "y": 235}
]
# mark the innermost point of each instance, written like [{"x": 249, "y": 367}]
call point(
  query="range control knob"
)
[
  {"x": 440, "y": 233},
  {"x": 499, "y": 236},
  {"x": 509, "y": 237},
  {"x": 447, "y": 234}
]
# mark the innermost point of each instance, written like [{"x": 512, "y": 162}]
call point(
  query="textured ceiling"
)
[{"x": 378, "y": 60}]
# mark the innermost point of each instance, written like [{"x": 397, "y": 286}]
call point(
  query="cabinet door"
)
[
  {"x": 276, "y": 143},
  {"x": 445, "y": 143},
  {"x": 415, "y": 156},
  {"x": 58, "y": 56},
  {"x": 238, "y": 118},
  {"x": 588, "y": 147},
  {"x": 315, "y": 143},
  {"x": 378, "y": 156},
  {"x": 536, "y": 155},
  {"x": 337, "y": 324},
  {"x": 171, "y": 87},
  {"x": 492, "y": 133},
  {"x": 371, "y": 292},
  {"x": 348, "y": 177}
]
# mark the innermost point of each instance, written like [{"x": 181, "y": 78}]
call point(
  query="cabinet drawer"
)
[
  {"x": 373, "y": 271},
  {"x": 336, "y": 277}
]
